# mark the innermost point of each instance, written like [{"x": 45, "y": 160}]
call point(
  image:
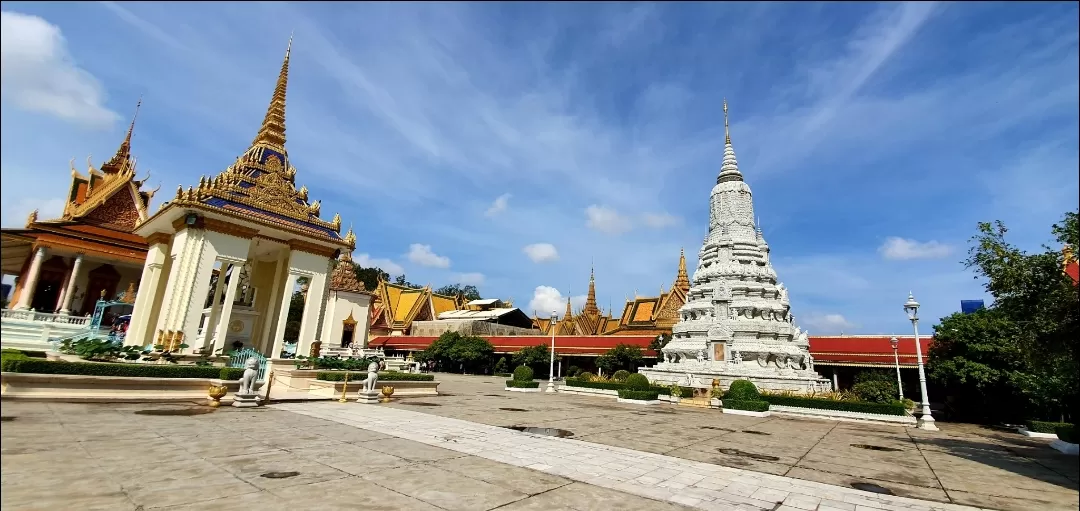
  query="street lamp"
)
[
  {"x": 896, "y": 357},
  {"x": 926, "y": 420},
  {"x": 551, "y": 361}
]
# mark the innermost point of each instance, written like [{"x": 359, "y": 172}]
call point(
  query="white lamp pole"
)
[
  {"x": 926, "y": 420},
  {"x": 551, "y": 366},
  {"x": 896, "y": 357}
]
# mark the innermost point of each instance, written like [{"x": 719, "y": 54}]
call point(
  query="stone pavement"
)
[
  {"x": 664, "y": 478},
  {"x": 962, "y": 464},
  {"x": 82, "y": 457}
]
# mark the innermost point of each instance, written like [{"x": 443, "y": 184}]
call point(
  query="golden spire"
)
[
  {"x": 727, "y": 129},
  {"x": 590, "y": 301},
  {"x": 272, "y": 132},
  {"x": 350, "y": 237},
  {"x": 569, "y": 312},
  {"x": 123, "y": 154},
  {"x": 682, "y": 280}
]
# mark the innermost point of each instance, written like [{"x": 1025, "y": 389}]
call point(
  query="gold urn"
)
[
  {"x": 216, "y": 392},
  {"x": 387, "y": 391}
]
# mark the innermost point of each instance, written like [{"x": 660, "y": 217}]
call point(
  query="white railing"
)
[{"x": 44, "y": 317}]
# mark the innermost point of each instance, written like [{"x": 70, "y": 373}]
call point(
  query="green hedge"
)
[
  {"x": 607, "y": 385},
  {"x": 1045, "y": 427},
  {"x": 522, "y": 384},
  {"x": 742, "y": 390},
  {"x": 640, "y": 395},
  {"x": 23, "y": 353},
  {"x": 829, "y": 404},
  {"x": 748, "y": 405},
  {"x": 29, "y": 365},
  {"x": 504, "y": 375},
  {"x": 1066, "y": 433},
  {"x": 383, "y": 376}
]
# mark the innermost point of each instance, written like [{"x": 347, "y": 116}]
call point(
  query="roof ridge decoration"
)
[
  {"x": 682, "y": 279},
  {"x": 590, "y": 301},
  {"x": 344, "y": 276},
  {"x": 729, "y": 168},
  {"x": 263, "y": 180}
]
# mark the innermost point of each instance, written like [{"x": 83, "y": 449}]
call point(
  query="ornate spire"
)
[
  {"x": 682, "y": 280},
  {"x": 569, "y": 311},
  {"x": 30, "y": 219},
  {"x": 729, "y": 169},
  {"x": 590, "y": 301},
  {"x": 122, "y": 158},
  {"x": 350, "y": 238},
  {"x": 272, "y": 132}
]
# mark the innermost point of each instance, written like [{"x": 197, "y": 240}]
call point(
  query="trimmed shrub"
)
[
  {"x": 639, "y": 394},
  {"x": 523, "y": 373},
  {"x": 572, "y": 371},
  {"x": 500, "y": 366},
  {"x": 620, "y": 375},
  {"x": 747, "y": 405},
  {"x": 231, "y": 373},
  {"x": 606, "y": 385},
  {"x": 383, "y": 376},
  {"x": 742, "y": 390},
  {"x": 1045, "y": 427},
  {"x": 586, "y": 376},
  {"x": 637, "y": 381},
  {"x": 522, "y": 384},
  {"x": 875, "y": 391},
  {"x": 24, "y": 353},
  {"x": 829, "y": 404},
  {"x": 1066, "y": 433},
  {"x": 504, "y": 375},
  {"x": 36, "y": 366}
]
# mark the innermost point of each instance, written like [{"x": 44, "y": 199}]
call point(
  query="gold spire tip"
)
[{"x": 727, "y": 128}]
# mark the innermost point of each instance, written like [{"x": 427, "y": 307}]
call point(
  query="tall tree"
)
[
  {"x": 469, "y": 291},
  {"x": 400, "y": 280},
  {"x": 370, "y": 276}
]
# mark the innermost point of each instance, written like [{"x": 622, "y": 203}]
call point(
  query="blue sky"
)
[{"x": 510, "y": 145}]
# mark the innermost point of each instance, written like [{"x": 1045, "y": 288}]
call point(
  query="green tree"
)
[
  {"x": 622, "y": 356},
  {"x": 536, "y": 357},
  {"x": 400, "y": 280},
  {"x": 455, "y": 352},
  {"x": 1035, "y": 318},
  {"x": 370, "y": 276},
  {"x": 470, "y": 292}
]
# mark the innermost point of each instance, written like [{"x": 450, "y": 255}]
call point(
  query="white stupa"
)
[{"x": 737, "y": 321}]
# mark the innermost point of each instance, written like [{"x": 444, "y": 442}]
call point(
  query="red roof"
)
[
  {"x": 866, "y": 350},
  {"x": 1072, "y": 269},
  {"x": 827, "y": 350}
]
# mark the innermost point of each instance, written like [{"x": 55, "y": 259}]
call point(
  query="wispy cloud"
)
[
  {"x": 421, "y": 254},
  {"x": 825, "y": 324},
  {"x": 472, "y": 278},
  {"x": 606, "y": 220},
  {"x": 498, "y": 206},
  {"x": 541, "y": 252},
  {"x": 902, "y": 249}
]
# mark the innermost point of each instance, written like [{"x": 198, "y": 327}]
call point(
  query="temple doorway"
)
[
  {"x": 101, "y": 281},
  {"x": 50, "y": 281}
]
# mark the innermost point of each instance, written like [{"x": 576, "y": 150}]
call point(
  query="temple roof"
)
[
  {"x": 344, "y": 276},
  {"x": 261, "y": 184},
  {"x": 396, "y": 306}
]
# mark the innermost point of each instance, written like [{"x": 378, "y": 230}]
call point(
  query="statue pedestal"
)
[
  {"x": 367, "y": 397},
  {"x": 246, "y": 401}
]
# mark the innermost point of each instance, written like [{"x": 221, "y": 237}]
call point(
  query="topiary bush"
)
[
  {"x": 523, "y": 373},
  {"x": 586, "y": 376},
  {"x": 572, "y": 371},
  {"x": 875, "y": 391},
  {"x": 620, "y": 375},
  {"x": 522, "y": 384},
  {"x": 742, "y": 390},
  {"x": 500, "y": 366},
  {"x": 637, "y": 381},
  {"x": 1066, "y": 433}
]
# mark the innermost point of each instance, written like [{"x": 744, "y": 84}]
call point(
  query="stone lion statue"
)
[
  {"x": 247, "y": 381},
  {"x": 372, "y": 377}
]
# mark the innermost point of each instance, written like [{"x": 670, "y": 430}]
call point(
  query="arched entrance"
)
[{"x": 103, "y": 278}]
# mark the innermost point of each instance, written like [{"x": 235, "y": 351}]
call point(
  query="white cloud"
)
[
  {"x": 498, "y": 206},
  {"x": 15, "y": 214},
  {"x": 658, "y": 220},
  {"x": 541, "y": 252},
  {"x": 827, "y": 323},
  {"x": 606, "y": 220},
  {"x": 421, "y": 254},
  {"x": 470, "y": 279},
  {"x": 366, "y": 261},
  {"x": 902, "y": 249},
  {"x": 39, "y": 75},
  {"x": 546, "y": 299}
]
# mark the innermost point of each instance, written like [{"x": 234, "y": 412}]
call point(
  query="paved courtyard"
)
[{"x": 449, "y": 452}]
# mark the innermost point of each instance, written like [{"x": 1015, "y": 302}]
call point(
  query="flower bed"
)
[
  {"x": 829, "y": 404},
  {"x": 746, "y": 405},
  {"x": 15, "y": 364},
  {"x": 383, "y": 376}
]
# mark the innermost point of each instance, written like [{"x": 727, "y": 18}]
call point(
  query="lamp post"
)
[
  {"x": 551, "y": 361},
  {"x": 926, "y": 420},
  {"x": 896, "y": 357}
]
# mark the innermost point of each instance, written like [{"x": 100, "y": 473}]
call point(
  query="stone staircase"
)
[{"x": 29, "y": 330}]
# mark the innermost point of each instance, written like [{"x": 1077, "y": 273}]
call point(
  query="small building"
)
[
  {"x": 485, "y": 317},
  {"x": 395, "y": 308}
]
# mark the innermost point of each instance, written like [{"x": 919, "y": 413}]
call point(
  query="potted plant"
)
[
  {"x": 676, "y": 393},
  {"x": 715, "y": 396}
]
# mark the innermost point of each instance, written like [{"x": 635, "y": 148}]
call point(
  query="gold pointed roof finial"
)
[
  {"x": 123, "y": 153},
  {"x": 31, "y": 218},
  {"x": 569, "y": 311},
  {"x": 590, "y": 300},
  {"x": 682, "y": 279},
  {"x": 272, "y": 132},
  {"x": 350, "y": 237},
  {"x": 727, "y": 128}
]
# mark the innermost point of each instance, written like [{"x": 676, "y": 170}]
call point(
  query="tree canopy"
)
[
  {"x": 469, "y": 291},
  {"x": 537, "y": 357},
  {"x": 455, "y": 352},
  {"x": 1023, "y": 347},
  {"x": 622, "y": 356},
  {"x": 371, "y": 276}
]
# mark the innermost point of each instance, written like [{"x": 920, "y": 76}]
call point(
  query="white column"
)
[
  {"x": 283, "y": 316},
  {"x": 215, "y": 307},
  {"x": 222, "y": 329},
  {"x": 26, "y": 296},
  {"x": 149, "y": 302},
  {"x": 313, "y": 309},
  {"x": 268, "y": 333},
  {"x": 69, "y": 291}
]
